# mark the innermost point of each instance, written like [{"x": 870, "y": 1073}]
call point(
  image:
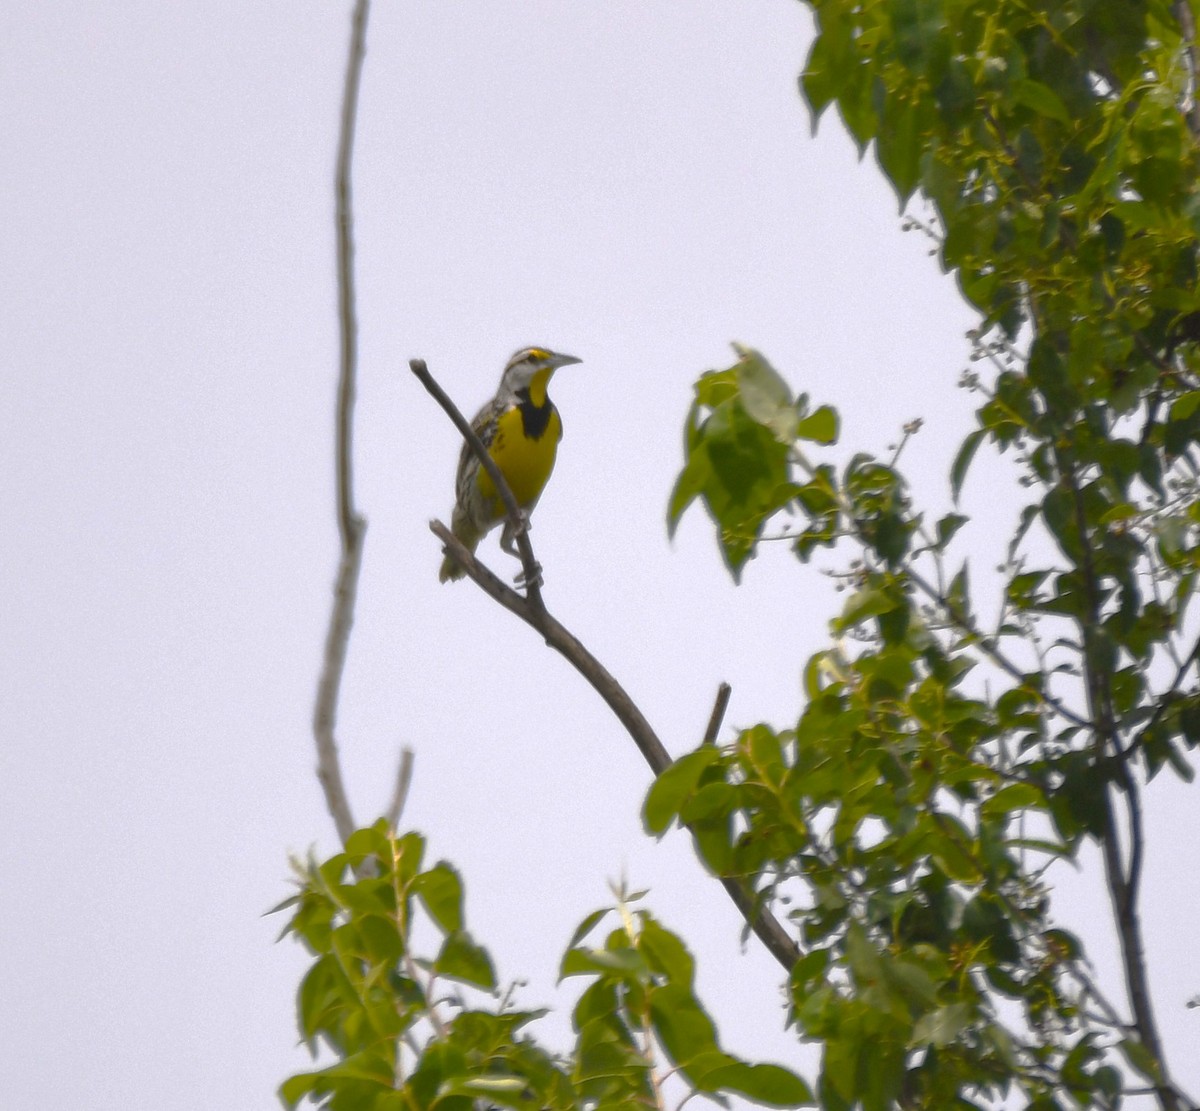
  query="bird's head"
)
[{"x": 528, "y": 372}]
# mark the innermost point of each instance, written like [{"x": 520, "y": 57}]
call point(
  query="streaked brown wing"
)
[{"x": 484, "y": 426}]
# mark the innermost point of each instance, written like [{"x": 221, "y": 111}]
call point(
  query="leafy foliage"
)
[
  {"x": 371, "y": 999},
  {"x": 938, "y": 767}
]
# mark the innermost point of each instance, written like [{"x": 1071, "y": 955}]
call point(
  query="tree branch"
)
[
  {"x": 329, "y": 771},
  {"x": 1122, "y": 880},
  {"x": 533, "y": 612},
  {"x": 400, "y": 795},
  {"x": 987, "y": 645},
  {"x": 563, "y": 642},
  {"x": 718, "y": 714},
  {"x": 351, "y": 527}
]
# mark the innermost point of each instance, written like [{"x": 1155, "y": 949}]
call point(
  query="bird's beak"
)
[{"x": 564, "y": 360}]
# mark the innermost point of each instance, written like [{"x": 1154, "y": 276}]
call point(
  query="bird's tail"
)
[{"x": 470, "y": 536}]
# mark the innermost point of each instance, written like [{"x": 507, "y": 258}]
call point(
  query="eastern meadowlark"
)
[{"x": 520, "y": 427}]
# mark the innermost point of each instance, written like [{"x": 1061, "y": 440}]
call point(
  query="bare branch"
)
[
  {"x": 329, "y": 771},
  {"x": 400, "y": 796},
  {"x": 351, "y": 527},
  {"x": 530, "y": 565},
  {"x": 987, "y": 645},
  {"x": 718, "y": 714},
  {"x": 764, "y": 924},
  {"x": 563, "y": 642},
  {"x": 348, "y": 520},
  {"x": 1163, "y": 703}
]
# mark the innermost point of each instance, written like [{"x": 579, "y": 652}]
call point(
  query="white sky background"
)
[{"x": 633, "y": 182}]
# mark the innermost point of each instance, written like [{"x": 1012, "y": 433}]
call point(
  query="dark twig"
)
[
  {"x": 987, "y": 645},
  {"x": 530, "y": 566},
  {"x": 718, "y": 714},
  {"x": 1122, "y": 879},
  {"x": 563, "y": 642},
  {"x": 400, "y": 796},
  {"x": 765, "y": 926},
  {"x": 351, "y": 527},
  {"x": 1163, "y": 704}
]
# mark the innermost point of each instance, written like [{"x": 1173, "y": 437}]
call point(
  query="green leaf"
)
[
  {"x": 295, "y": 1088},
  {"x": 942, "y": 1026},
  {"x": 681, "y": 1025},
  {"x": 440, "y": 891},
  {"x": 1042, "y": 99},
  {"x": 320, "y": 1000},
  {"x": 1014, "y": 797},
  {"x": 825, "y": 69},
  {"x": 409, "y": 852},
  {"x": 713, "y": 800},
  {"x": 862, "y": 956},
  {"x": 666, "y": 953},
  {"x": 765, "y": 395},
  {"x": 371, "y": 841},
  {"x": 587, "y": 925},
  {"x": 869, "y": 602},
  {"x": 899, "y": 145},
  {"x": 461, "y": 959},
  {"x": 508, "y": 1091},
  {"x": 911, "y": 981},
  {"x": 669, "y": 791},
  {"x": 771, "y": 1085},
  {"x": 1141, "y": 1059},
  {"x": 691, "y": 483},
  {"x": 962, "y": 461},
  {"x": 588, "y": 962},
  {"x": 947, "y": 527},
  {"x": 763, "y": 747},
  {"x": 1185, "y": 405},
  {"x": 952, "y": 847},
  {"x": 381, "y": 940},
  {"x": 820, "y": 426}
]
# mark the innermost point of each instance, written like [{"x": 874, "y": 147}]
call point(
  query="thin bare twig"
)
[
  {"x": 987, "y": 646},
  {"x": 1180, "y": 672},
  {"x": 765, "y": 926},
  {"x": 718, "y": 714},
  {"x": 351, "y": 526},
  {"x": 530, "y": 566},
  {"x": 329, "y": 770},
  {"x": 984, "y": 644},
  {"x": 400, "y": 796}
]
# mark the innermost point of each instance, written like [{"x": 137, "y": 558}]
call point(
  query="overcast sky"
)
[{"x": 633, "y": 182}]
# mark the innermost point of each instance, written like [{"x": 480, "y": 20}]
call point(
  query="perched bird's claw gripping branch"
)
[{"x": 531, "y": 573}]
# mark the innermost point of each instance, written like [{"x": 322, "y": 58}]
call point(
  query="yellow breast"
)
[{"x": 525, "y": 461}]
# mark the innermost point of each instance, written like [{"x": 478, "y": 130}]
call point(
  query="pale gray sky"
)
[{"x": 633, "y": 182}]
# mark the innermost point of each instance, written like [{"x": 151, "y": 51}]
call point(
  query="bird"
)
[{"x": 520, "y": 428}]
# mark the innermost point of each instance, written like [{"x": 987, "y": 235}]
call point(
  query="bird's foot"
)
[
  {"x": 533, "y": 581},
  {"x": 509, "y": 536}
]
